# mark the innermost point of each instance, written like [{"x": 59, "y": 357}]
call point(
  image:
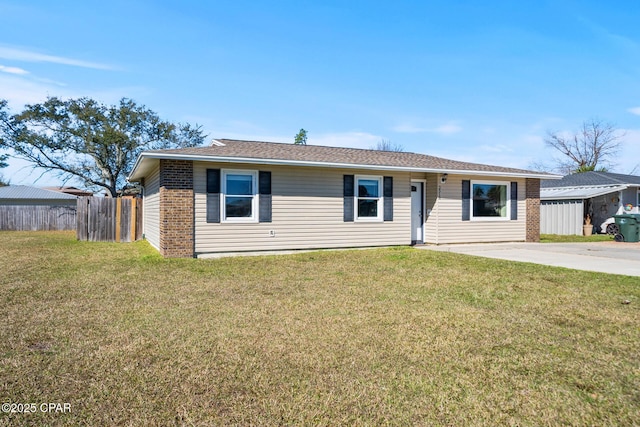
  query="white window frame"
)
[
  {"x": 380, "y": 199},
  {"x": 223, "y": 194},
  {"x": 491, "y": 218}
]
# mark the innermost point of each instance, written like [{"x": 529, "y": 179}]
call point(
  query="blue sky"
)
[{"x": 477, "y": 81}]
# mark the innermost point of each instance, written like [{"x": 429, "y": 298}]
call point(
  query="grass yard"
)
[
  {"x": 368, "y": 337},
  {"x": 557, "y": 238}
]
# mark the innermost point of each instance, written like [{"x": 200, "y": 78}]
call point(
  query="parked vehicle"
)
[{"x": 609, "y": 226}]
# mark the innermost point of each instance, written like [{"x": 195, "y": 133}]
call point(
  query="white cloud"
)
[
  {"x": 448, "y": 128},
  {"x": 13, "y": 70},
  {"x": 497, "y": 148},
  {"x": 628, "y": 160},
  {"x": 634, "y": 110},
  {"x": 30, "y": 56},
  {"x": 408, "y": 128},
  {"x": 19, "y": 91},
  {"x": 345, "y": 139}
]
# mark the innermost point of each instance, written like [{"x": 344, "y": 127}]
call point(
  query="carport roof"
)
[
  {"x": 590, "y": 179},
  {"x": 587, "y": 192}
]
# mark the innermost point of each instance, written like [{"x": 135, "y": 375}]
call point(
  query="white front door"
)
[{"x": 417, "y": 214}]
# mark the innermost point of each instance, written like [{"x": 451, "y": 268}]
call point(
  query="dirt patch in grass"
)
[{"x": 388, "y": 336}]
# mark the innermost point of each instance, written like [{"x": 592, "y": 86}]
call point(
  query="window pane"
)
[
  {"x": 239, "y": 184},
  {"x": 489, "y": 200},
  {"x": 238, "y": 207},
  {"x": 367, "y": 208},
  {"x": 367, "y": 188}
]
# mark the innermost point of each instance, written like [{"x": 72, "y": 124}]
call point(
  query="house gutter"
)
[{"x": 283, "y": 162}]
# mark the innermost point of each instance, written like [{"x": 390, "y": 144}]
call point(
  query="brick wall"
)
[
  {"x": 533, "y": 209},
  {"x": 176, "y": 209}
]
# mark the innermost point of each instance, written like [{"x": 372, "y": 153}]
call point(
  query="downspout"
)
[{"x": 144, "y": 211}]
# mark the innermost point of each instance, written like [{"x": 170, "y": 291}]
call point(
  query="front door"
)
[{"x": 417, "y": 215}]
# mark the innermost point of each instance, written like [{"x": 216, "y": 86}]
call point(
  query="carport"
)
[{"x": 562, "y": 210}]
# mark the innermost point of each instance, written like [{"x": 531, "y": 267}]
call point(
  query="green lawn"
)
[
  {"x": 557, "y": 238},
  {"x": 368, "y": 337}
]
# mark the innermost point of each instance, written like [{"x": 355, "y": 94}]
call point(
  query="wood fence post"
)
[
  {"x": 118, "y": 217},
  {"x": 134, "y": 216}
]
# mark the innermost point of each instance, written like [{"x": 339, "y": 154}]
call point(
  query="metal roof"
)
[
  {"x": 256, "y": 152},
  {"x": 586, "y": 192},
  {"x": 584, "y": 179},
  {"x": 27, "y": 192}
]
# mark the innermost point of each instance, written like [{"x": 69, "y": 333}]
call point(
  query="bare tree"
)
[
  {"x": 593, "y": 147},
  {"x": 387, "y": 145}
]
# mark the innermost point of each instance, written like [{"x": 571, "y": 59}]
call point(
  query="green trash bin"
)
[{"x": 629, "y": 226}]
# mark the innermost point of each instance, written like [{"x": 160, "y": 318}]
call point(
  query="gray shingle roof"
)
[
  {"x": 27, "y": 192},
  {"x": 592, "y": 179},
  {"x": 315, "y": 154}
]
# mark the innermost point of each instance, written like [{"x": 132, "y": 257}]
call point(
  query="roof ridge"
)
[
  {"x": 372, "y": 150},
  {"x": 608, "y": 175}
]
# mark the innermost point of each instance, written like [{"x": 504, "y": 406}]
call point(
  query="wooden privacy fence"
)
[
  {"x": 37, "y": 218},
  {"x": 109, "y": 220}
]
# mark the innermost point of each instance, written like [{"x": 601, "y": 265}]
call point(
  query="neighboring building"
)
[
  {"x": 30, "y": 208},
  {"x": 258, "y": 196},
  {"x": 26, "y": 195},
  {"x": 565, "y": 203},
  {"x": 70, "y": 190}
]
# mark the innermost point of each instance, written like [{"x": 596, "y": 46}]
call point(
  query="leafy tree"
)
[
  {"x": 4, "y": 117},
  {"x": 86, "y": 139},
  {"x": 593, "y": 147},
  {"x": 301, "y": 137},
  {"x": 387, "y": 145}
]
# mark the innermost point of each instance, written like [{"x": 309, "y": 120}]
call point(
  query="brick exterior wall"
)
[
  {"x": 176, "y": 209},
  {"x": 533, "y": 209}
]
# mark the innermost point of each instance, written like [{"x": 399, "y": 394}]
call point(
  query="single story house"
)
[
  {"x": 565, "y": 203},
  {"x": 26, "y": 208},
  {"x": 236, "y": 196}
]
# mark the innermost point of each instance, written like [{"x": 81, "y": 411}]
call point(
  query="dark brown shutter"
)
[
  {"x": 348, "y": 194},
  {"x": 388, "y": 198},
  {"x": 466, "y": 200},
  {"x": 213, "y": 195},
  {"x": 264, "y": 190},
  {"x": 514, "y": 201}
]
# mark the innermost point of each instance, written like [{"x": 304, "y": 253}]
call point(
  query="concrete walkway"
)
[{"x": 603, "y": 257}]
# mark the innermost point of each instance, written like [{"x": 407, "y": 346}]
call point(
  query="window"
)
[
  {"x": 490, "y": 200},
  {"x": 368, "y": 198},
  {"x": 239, "y": 198}
]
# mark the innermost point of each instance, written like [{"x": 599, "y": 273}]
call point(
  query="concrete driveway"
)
[{"x": 604, "y": 257}]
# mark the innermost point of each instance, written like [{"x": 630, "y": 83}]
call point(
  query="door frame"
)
[{"x": 423, "y": 207}]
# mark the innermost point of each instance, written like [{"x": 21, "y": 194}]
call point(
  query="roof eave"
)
[{"x": 283, "y": 162}]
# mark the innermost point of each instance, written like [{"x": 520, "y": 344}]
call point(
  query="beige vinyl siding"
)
[
  {"x": 151, "y": 210},
  {"x": 307, "y": 213},
  {"x": 445, "y": 225}
]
